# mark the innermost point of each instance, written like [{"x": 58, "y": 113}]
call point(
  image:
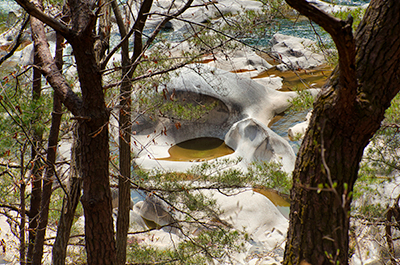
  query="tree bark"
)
[
  {"x": 71, "y": 200},
  {"x": 70, "y": 203},
  {"x": 92, "y": 114},
  {"x": 344, "y": 119},
  {"x": 125, "y": 158},
  {"x": 93, "y": 136},
  {"x": 36, "y": 178}
]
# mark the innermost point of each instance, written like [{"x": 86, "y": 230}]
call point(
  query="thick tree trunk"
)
[
  {"x": 94, "y": 149},
  {"x": 92, "y": 114},
  {"x": 343, "y": 121}
]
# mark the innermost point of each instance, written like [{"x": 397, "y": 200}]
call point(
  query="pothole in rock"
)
[{"x": 198, "y": 149}]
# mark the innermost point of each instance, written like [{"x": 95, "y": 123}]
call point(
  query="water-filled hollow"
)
[{"x": 198, "y": 149}]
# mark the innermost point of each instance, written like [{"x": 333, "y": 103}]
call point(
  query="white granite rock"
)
[
  {"x": 297, "y": 131},
  {"x": 295, "y": 53},
  {"x": 254, "y": 141},
  {"x": 332, "y": 8},
  {"x": 238, "y": 98}
]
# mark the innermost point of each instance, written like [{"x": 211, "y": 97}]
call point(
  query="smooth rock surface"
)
[
  {"x": 297, "y": 131},
  {"x": 254, "y": 141},
  {"x": 295, "y": 53},
  {"x": 238, "y": 98}
]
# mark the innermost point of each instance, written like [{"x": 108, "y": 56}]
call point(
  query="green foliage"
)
[
  {"x": 367, "y": 195},
  {"x": 381, "y": 160},
  {"x": 186, "y": 111},
  {"x": 272, "y": 175},
  {"x": 189, "y": 195},
  {"x": 216, "y": 244},
  {"x": 304, "y": 101},
  {"x": 356, "y": 13}
]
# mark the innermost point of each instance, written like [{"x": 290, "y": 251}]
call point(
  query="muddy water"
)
[
  {"x": 198, "y": 149},
  {"x": 300, "y": 79},
  {"x": 279, "y": 200}
]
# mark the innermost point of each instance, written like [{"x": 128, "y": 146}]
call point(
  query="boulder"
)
[
  {"x": 242, "y": 60},
  {"x": 235, "y": 99},
  {"x": 254, "y": 141},
  {"x": 297, "y": 131},
  {"x": 295, "y": 53}
]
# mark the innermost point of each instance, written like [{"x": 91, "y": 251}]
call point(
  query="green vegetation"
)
[
  {"x": 380, "y": 164},
  {"x": 357, "y": 14},
  {"x": 304, "y": 101}
]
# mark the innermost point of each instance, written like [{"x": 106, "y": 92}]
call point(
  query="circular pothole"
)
[{"x": 198, "y": 149}]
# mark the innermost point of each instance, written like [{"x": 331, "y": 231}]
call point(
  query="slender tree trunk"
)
[
  {"x": 68, "y": 210},
  {"x": 39, "y": 37},
  {"x": 66, "y": 220},
  {"x": 22, "y": 205},
  {"x": 47, "y": 181},
  {"x": 124, "y": 147},
  {"x": 36, "y": 178},
  {"x": 344, "y": 119},
  {"x": 70, "y": 201},
  {"x": 125, "y": 123}
]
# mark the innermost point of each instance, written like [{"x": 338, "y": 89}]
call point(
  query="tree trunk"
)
[
  {"x": 94, "y": 149},
  {"x": 125, "y": 123},
  {"x": 22, "y": 205},
  {"x": 47, "y": 181},
  {"x": 344, "y": 119},
  {"x": 125, "y": 158},
  {"x": 36, "y": 178},
  {"x": 92, "y": 114},
  {"x": 70, "y": 201},
  {"x": 40, "y": 41},
  {"x": 66, "y": 220}
]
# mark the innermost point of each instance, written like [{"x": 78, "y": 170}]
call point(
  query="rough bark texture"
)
[
  {"x": 93, "y": 136},
  {"x": 93, "y": 116},
  {"x": 36, "y": 178},
  {"x": 70, "y": 203},
  {"x": 343, "y": 121},
  {"x": 125, "y": 158}
]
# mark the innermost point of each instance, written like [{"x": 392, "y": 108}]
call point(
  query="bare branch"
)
[
  {"x": 37, "y": 13},
  {"x": 50, "y": 70},
  {"x": 342, "y": 35},
  {"x": 9, "y": 207},
  {"x": 17, "y": 42}
]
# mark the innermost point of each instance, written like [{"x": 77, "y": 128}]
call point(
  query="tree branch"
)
[
  {"x": 51, "y": 72},
  {"x": 17, "y": 42},
  {"x": 37, "y": 13},
  {"x": 341, "y": 32}
]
